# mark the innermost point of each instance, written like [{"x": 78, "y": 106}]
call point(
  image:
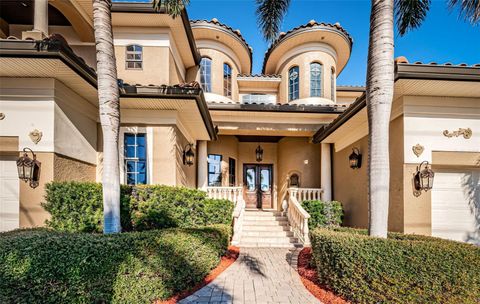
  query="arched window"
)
[
  {"x": 332, "y": 84},
  {"x": 294, "y": 180},
  {"x": 315, "y": 79},
  {"x": 206, "y": 74},
  {"x": 293, "y": 83},
  {"x": 134, "y": 57},
  {"x": 227, "y": 80}
]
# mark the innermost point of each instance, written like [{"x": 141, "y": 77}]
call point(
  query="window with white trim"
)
[
  {"x": 134, "y": 56},
  {"x": 293, "y": 83},
  {"x": 214, "y": 170},
  {"x": 135, "y": 156},
  {"x": 315, "y": 79},
  {"x": 206, "y": 74}
]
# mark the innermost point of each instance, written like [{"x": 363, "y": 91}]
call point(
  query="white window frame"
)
[
  {"x": 127, "y": 61},
  {"x": 148, "y": 131}
]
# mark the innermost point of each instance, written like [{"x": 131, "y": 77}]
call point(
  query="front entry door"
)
[{"x": 257, "y": 184}]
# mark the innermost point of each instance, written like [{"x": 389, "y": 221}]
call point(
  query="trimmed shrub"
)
[
  {"x": 154, "y": 207},
  {"x": 42, "y": 266},
  {"x": 78, "y": 207},
  {"x": 400, "y": 269},
  {"x": 323, "y": 213}
]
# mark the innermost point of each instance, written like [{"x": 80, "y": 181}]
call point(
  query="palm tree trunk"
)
[
  {"x": 380, "y": 73},
  {"x": 109, "y": 107}
]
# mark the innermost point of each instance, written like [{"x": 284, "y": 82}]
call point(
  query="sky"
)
[{"x": 443, "y": 37}]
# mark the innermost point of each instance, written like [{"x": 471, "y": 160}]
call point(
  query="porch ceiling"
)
[
  {"x": 269, "y": 123},
  {"x": 184, "y": 112}
]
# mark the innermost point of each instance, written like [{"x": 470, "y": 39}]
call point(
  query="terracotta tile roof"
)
[
  {"x": 311, "y": 24},
  {"x": 260, "y": 75},
  {"x": 215, "y": 21},
  {"x": 404, "y": 60}
]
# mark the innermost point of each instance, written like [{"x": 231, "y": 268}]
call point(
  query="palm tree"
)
[
  {"x": 109, "y": 108},
  {"x": 109, "y": 104},
  {"x": 380, "y": 81}
]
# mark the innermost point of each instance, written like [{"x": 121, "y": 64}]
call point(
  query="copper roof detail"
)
[{"x": 311, "y": 24}]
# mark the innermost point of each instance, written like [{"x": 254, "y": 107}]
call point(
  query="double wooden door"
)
[{"x": 257, "y": 184}]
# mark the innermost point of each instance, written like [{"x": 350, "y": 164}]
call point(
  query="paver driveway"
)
[{"x": 259, "y": 275}]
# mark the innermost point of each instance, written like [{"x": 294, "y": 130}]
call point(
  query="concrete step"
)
[
  {"x": 265, "y": 228},
  {"x": 268, "y": 240},
  {"x": 264, "y": 218},
  {"x": 263, "y": 213},
  {"x": 264, "y": 223},
  {"x": 263, "y": 245},
  {"x": 267, "y": 233}
]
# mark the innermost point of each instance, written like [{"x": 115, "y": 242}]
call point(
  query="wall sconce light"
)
[
  {"x": 28, "y": 168},
  {"x": 355, "y": 159},
  {"x": 259, "y": 153},
  {"x": 188, "y": 155},
  {"x": 423, "y": 179}
]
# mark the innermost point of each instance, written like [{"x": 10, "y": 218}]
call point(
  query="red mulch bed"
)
[
  {"x": 225, "y": 262},
  {"x": 309, "y": 278}
]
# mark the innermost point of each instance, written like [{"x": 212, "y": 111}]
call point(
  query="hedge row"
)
[
  {"x": 323, "y": 214},
  {"x": 42, "y": 266},
  {"x": 400, "y": 269},
  {"x": 78, "y": 207}
]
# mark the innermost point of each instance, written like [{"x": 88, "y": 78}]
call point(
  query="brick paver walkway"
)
[{"x": 259, "y": 275}]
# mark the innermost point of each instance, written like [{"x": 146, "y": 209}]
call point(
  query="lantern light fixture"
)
[
  {"x": 29, "y": 168},
  {"x": 423, "y": 179},
  {"x": 188, "y": 155},
  {"x": 259, "y": 154},
  {"x": 355, "y": 159}
]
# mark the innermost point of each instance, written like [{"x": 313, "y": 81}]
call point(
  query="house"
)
[{"x": 266, "y": 141}]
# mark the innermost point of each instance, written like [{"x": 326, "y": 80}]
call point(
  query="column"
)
[
  {"x": 326, "y": 172},
  {"x": 202, "y": 164},
  {"x": 40, "y": 21}
]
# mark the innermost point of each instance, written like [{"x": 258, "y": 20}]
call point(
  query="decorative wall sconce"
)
[
  {"x": 423, "y": 179},
  {"x": 259, "y": 154},
  {"x": 355, "y": 159},
  {"x": 28, "y": 168},
  {"x": 188, "y": 155}
]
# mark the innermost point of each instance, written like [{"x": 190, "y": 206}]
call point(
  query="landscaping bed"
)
[
  {"x": 44, "y": 266},
  {"x": 400, "y": 269}
]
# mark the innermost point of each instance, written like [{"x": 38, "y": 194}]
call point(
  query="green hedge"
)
[
  {"x": 323, "y": 213},
  {"x": 77, "y": 207},
  {"x": 41, "y": 266},
  {"x": 156, "y": 207},
  {"x": 400, "y": 269}
]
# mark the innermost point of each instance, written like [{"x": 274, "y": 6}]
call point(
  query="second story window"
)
[
  {"x": 315, "y": 79},
  {"x": 293, "y": 83},
  {"x": 206, "y": 74},
  {"x": 227, "y": 80},
  {"x": 134, "y": 57},
  {"x": 332, "y": 84}
]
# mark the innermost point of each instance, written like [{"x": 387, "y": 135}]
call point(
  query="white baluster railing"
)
[
  {"x": 234, "y": 194},
  {"x": 305, "y": 194},
  {"x": 296, "y": 215}
]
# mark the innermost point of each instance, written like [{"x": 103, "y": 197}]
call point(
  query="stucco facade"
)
[{"x": 270, "y": 127}]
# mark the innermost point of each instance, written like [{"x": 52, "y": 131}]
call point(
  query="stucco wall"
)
[
  {"x": 218, "y": 59},
  {"x": 155, "y": 66},
  {"x": 350, "y": 186},
  {"x": 297, "y": 155},
  {"x": 227, "y": 146},
  {"x": 185, "y": 175},
  {"x": 303, "y": 61},
  {"x": 69, "y": 169},
  {"x": 164, "y": 161}
]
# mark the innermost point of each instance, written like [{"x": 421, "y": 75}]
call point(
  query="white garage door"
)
[
  {"x": 456, "y": 205},
  {"x": 9, "y": 193}
]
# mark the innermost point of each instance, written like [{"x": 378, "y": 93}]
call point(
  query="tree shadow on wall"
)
[{"x": 471, "y": 190}]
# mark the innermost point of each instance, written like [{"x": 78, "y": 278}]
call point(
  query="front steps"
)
[{"x": 266, "y": 229}]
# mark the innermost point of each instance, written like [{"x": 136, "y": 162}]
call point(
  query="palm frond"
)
[
  {"x": 172, "y": 7},
  {"x": 469, "y": 9},
  {"x": 270, "y": 14},
  {"x": 409, "y": 14}
]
